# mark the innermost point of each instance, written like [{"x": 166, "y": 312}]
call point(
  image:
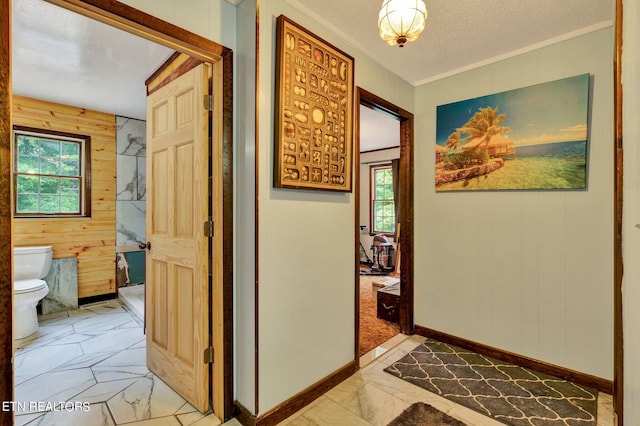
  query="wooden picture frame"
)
[{"x": 313, "y": 112}]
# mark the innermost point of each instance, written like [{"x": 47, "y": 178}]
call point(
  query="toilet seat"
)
[{"x": 28, "y": 286}]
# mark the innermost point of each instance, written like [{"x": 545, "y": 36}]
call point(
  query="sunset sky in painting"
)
[{"x": 544, "y": 113}]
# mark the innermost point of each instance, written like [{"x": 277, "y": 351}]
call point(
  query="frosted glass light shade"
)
[{"x": 401, "y": 21}]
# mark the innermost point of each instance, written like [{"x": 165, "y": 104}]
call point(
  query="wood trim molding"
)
[
  {"x": 406, "y": 228},
  {"x": 6, "y": 213},
  {"x": 298, "y": 401},
  {"x": 227, "y": 229},
  {"x": 256, "y": 252},
  {"x": 134, "y": 21},
  {"x": 158, "y": 80},
  {"x": 379, "y": 104},
  {"x": 243, "y": 415},
  {"x": 380, "y": 149},
  {"x": 85, "y": 161},
  {"x": 584, "y": 379},
  {"x": 357, "y": 194},
  {"x": 618, "y": 269},
  {"x": 96, "y": 299},
  {"x": 158, "y": 72}
]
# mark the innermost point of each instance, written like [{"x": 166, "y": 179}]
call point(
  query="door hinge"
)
[
  {"x": 208, "y": 355},
  {"x": 208, "y": 228},
  {"x": 208, "y": 102}
]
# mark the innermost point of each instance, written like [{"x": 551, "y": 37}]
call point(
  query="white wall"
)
[
  {"x": 306, "y": 242},
  {"x": 213, "y": 19},
  {"x": 631, "y": 213},
  {"x": 528, "y": 271}
]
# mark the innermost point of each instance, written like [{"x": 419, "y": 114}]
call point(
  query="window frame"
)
[
  {"x": 372, "y": 199},
  {"x": 84, "y": 141}
]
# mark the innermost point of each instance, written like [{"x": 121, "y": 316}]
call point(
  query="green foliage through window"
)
[
  {"x": 383, "y": 216},
  {"x": 49, "y": 174}
]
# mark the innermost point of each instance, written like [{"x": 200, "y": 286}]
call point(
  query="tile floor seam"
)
[
  {"x": 358, "y": 396},
  {"x": 79, "y": 326},
  {"x": 383, "y": 390}
]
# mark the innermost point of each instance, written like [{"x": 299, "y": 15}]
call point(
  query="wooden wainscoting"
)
[{"x": 92, "y": 239}]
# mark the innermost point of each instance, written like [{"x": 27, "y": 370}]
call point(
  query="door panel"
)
[
  {"x": 177, "y": 195},
  {"x": 184, "y": 176},
  {"x": 159, "y": 330}
]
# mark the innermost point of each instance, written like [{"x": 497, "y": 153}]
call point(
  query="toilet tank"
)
[{"x": 31, "y": 262}]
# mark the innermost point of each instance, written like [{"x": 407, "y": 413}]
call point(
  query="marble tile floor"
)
[
  {"x": 93, "y": 359},
  {"x": 373, "y": 397},
  {"x": 96, "y": 356}
]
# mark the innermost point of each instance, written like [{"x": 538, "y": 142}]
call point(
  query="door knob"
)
[{"x": 145, "y": 246}]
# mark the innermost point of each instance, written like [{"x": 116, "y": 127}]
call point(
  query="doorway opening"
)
[
  {"x": 379, "y": 268},
  {"x": 384, "y": 210},
  {"x": 153, "y": 29}
]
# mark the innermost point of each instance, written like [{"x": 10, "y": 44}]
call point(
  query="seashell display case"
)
[{"x": 314, "y": 111}]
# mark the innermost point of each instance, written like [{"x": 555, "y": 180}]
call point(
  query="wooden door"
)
[{"x": 177, "y": 294}]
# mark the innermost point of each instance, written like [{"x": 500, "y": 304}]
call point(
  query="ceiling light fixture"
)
[{"x": 401, "y": 21}]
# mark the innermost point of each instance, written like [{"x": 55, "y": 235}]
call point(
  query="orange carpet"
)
[{"x": 373, "y": 331}]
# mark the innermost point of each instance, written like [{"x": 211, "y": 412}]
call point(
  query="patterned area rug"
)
[
  {"x": 421, "y": 414},
  {"x": 510, "y": 394}
]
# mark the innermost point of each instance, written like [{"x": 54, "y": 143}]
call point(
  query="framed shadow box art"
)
[{"x": 313, "y": 112}]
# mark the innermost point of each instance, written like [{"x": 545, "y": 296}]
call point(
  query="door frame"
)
[
  {"x": 151, "y": 28},
  {"x": 379, "y": 104},
  {"x": 618, "y": 273}
]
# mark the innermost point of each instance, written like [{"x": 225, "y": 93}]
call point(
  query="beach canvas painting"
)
[{"x": 530, "y": 138}]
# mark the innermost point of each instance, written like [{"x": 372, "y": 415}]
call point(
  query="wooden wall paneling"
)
[
  {"x": 91, "y": 240},
  {"x": 36, "y": 227}
]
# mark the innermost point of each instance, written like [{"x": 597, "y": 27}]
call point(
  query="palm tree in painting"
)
[
  {"x": 485, "y": 124},
  {"x": 453, "y": 141}
]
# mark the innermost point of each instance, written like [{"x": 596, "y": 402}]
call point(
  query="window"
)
[
  {"x": 51, "y": 173},
  {"x": 383, "y": 216}
]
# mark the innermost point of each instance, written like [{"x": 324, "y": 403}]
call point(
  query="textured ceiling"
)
[
  {"x": 62, "y": 57},
  {"x": 461, "y": 34}
]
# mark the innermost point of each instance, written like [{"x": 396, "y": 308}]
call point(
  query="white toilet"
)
[{"x": 30, "y": 266}]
